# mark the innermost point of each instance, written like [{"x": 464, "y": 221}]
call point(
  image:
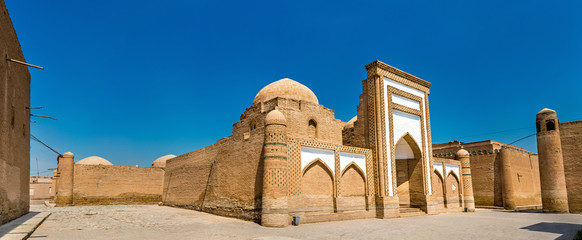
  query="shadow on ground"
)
[
  {"x": 9, "y": 226},
  {"x": 568, "y": 230}
]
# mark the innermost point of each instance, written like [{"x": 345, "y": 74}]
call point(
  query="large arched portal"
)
[{"x": 409, "y": 176}]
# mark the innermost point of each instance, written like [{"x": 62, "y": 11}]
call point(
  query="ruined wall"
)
[
  {"x": 224, "y": 178},
  {"x": 14, "y": 124},
  {"x": 109, "y": 184},
  {"x": 571, "y": 136}
]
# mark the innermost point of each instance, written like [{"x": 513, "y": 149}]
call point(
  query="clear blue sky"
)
[{"x": 131, "y": 81}]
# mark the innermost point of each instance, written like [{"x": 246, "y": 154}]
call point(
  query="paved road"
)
[{"x": 154, "y": 222}]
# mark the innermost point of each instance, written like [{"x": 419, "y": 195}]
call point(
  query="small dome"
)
[
  {"x": 275, "y": 117},
  {"x": 462, "y": 153},
  {"x": 68, "y": 155},
  {"x": 161, "y": 161},
  {"x": 350, "y": 123},
  {"x": 546, "y": 110},
  {"x": 94, "y": 160},
  {"x": 286, "y": 88}
]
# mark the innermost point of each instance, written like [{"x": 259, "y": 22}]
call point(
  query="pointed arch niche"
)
[
  {"x": 409, "y": 172},
  {"x": 353, "y": 174}
]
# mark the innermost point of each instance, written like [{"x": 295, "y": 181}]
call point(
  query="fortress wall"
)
[
  {"x": 486, "y": 179},
  {"x": 224, "y": 178},
  {"x": 14, "y": 124},
  {"x": 105, "y": 184},
  {"x": 524, "y": 178},
  {"x": 571, "y": 136}
]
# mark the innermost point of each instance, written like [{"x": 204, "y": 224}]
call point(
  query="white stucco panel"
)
[
  {"x": 406, "y": 123},
  {"x": 309, "y": 154},
  {"x": 438, "y": 167},
  {"x": 453, "y": 168},
  {"x": 403, "y": 150},
  {"x": 358, "y": 159},
  {"x": 405, "y": 102},
  {"x": 425, "y": 152}
]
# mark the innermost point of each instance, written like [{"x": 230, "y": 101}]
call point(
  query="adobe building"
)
[
  {"x": 41, "y": 188},
  {"x": 503, "y": 175},
  {"x": 14, "y": 124},
  {"x": 289, "y": 157},
  {"x": 96, "y": 181},
  {"x": 560, "y": 154}
]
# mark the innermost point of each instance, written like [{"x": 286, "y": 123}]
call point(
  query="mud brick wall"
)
[
  {"x": 14, "y": 124},
  {"x": 224, "y": 178},
  {"x": 571, "y": 136},
  {"x": 109, "y": 184}
]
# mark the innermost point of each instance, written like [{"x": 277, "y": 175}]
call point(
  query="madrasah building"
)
[{"x": 289, "y": 158}]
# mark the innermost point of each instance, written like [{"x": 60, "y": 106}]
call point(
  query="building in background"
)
[
  {"x": 40, "y": 187},
  {"x": 96, "y": 181},
  {"x": 14, "y": 124},
  {"x": 503, "y": 175}
]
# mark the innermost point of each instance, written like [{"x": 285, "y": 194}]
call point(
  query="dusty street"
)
[{"x": 154, "y": 222}]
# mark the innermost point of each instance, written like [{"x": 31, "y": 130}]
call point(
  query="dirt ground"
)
[{"x": 158, "y": 222}]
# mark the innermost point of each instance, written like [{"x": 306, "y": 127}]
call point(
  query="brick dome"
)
[
  {"x": 161, "y": 161},
  {"x": 286, "y": 88},
  {"x": 546, "y": 110},
  {"x": 275, "y": 117},
  {"x": 94, "y": 160}
]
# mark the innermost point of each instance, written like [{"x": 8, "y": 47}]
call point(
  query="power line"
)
[
  {"x": 522, "y": 138},
  {"x": 39, "y": 141},
  {"x": 484, "y": 134}
]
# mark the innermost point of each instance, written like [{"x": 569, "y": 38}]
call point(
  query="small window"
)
[
  {"x": 538, "y": 129},
  {"x": 253, "y": 125},
  {"x": 12, "y": 121},
  {"x": 312, "y": 128},
  {"x": 550, "y": 125}
]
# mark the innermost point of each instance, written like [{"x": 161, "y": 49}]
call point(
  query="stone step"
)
[
  {"x": 404, "y": 210},
  {"x": 411, "y": 212}
]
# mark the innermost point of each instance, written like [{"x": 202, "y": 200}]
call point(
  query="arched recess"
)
[
  {"x": 453, "y": 190},
  {"x": 438, "y": 190},
  {"x": 353, "y": 181},
  {"x": 317, "y": 179},
  {"x": 312, "y": 128},
  {"x": 409, "y": 172}
]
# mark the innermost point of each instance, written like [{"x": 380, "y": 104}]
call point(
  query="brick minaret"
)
[
  {"x": 552, "y": 179},
  {"x": 468, "y": 199},
  {"x": 275, "y": 172},
  {"x": 65, "y": 174}
]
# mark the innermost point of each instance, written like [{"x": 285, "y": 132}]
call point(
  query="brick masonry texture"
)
[
  {"x": 487, "y": 172},
  {"x": 571, "y": 136},
  {"x": 14, "y": 124},
  {"x": 109, "y": 184}
]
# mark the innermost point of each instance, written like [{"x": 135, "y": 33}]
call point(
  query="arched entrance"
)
[{"x": 409, "y": 178}]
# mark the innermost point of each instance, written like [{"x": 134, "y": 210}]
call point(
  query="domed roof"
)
[
  {"x": 275, "y": 117},
  {"x": 94, "y": 160},
  {"x": 161, "y": 161},
  {"x": 462, "y": 153},
  {"x": 286, "y": 88},
  {"x": 350, "y": 123},
  {"x": 546, "y": 110}
]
